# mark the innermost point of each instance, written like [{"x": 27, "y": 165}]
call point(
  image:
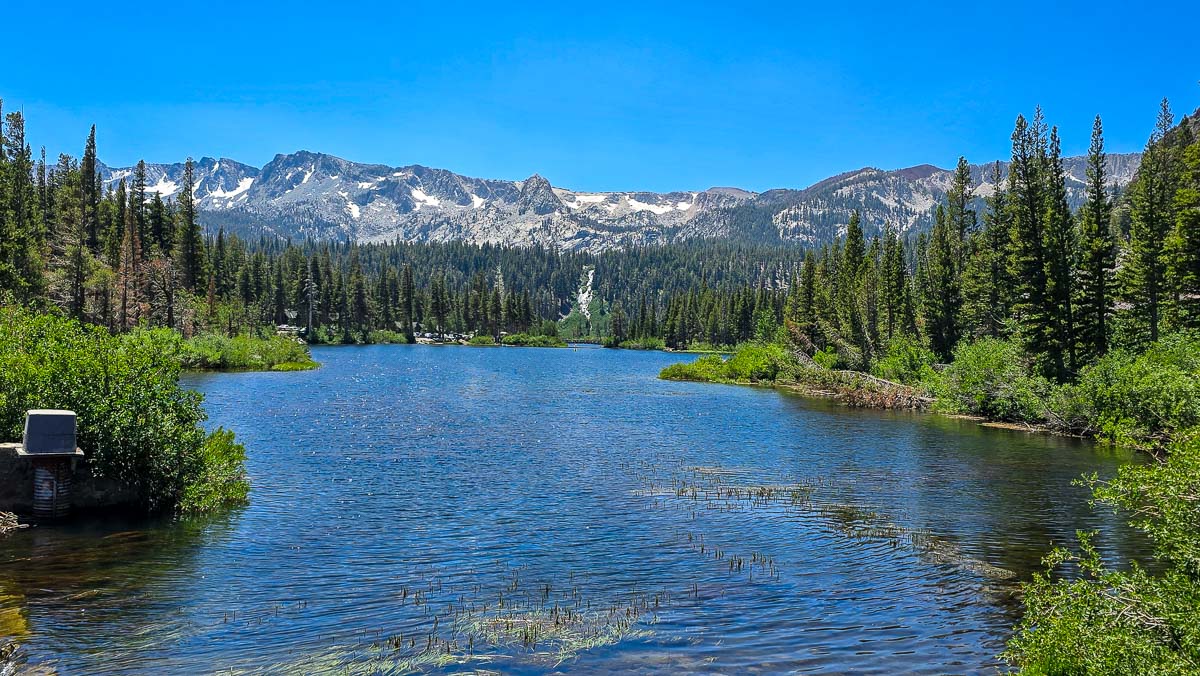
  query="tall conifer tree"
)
[
  {"x": 1098, "y": 254},
  {"x": 1144, "y": 274}
]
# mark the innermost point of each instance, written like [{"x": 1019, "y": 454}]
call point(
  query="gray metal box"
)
[{"x": 49, "y": 431}]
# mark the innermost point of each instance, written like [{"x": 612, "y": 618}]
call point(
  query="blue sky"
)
[{"x": 602, "y": 96}]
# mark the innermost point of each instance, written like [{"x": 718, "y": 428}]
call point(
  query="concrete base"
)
[{"x": 87, "y": 491}]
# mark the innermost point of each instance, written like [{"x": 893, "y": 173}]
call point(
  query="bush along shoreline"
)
[
  {"x": 137, "y": 425},
  {"x": 1140, "y": 400},
  {"x": 215, "y": 352},
  {"x": 773, "y": 365}
]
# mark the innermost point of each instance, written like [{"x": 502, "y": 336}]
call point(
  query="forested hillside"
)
[{"x": 110, "y": 250}]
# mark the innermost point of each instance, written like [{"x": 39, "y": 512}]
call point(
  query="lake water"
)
[{"x": 535, "y": 510}]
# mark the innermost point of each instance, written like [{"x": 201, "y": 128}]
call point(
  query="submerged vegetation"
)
[{"x": 136, "y": 426}]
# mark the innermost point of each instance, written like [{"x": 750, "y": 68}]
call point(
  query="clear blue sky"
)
[{"x": 605, "y": 96}]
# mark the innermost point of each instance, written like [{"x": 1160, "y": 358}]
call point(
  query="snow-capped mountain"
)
[
  {"x": 312, "y": 195},
  {"x": 218, "y": 184}
]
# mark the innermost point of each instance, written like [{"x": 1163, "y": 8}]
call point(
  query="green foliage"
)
[
  {"x": 1143, "y": 274},
  {"x": 708, "y": 368},
  {"x": 907, "y": 361},
  {"x": 135, "y": 425},
  {"x": 1142, "y": 399},
  {"x": 990, "y": 377},
  {"x": 943, "y": 293},
  {"x": 1098, "y": 254},
  {"x": 482, "y": 341},
  {"x": 527, "y": 340},
  {"x": 827, "y": 358},
  {"x": 756, "y": 362},
  {"x": 221, "y": 477},
  {"x": 752, "y": 362},
  {"x": 1109, "y": 621},
  {"x": 214, "y": 352}
]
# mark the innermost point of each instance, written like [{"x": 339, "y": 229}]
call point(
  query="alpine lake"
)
[{"x": 526, "y": 510}]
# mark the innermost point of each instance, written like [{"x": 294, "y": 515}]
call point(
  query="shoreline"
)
[{"x": 853, "y": 398}]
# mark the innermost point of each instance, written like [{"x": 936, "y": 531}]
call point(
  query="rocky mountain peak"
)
[{"x": 307, "y": 194}]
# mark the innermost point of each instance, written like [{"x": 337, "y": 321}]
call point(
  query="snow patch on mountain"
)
[
  {"x": 423, "y": 199},
  {"x": 165, "y": 187},
  {"x": 638, "y": 205},
  {"x": 242, "y": 186}
]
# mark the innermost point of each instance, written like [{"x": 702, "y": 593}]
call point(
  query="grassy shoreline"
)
[
  {"x": 218, "y": 353},
  {"x": 1142, "y": 401},
  {"x": 856, "y": 390}
]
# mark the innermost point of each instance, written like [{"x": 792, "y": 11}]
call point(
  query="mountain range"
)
[{"x": 312, "y": 195}]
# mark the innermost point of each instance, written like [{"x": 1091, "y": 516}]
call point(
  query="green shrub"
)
[
  {"x": 752, "y": 362},
  {"x": 221, "y": 476},
  {"x": 708, "y": 368},
  {"x": 827, "y": 358},
  {"x": 527, "y": 340},
  {"x": 646, "y": 343},
  {"x": 989, "y": 377},
  {"x": 755, "y": 362},
  {"x": 215, "y": 352},
  {"x": 385, "y": 337},
  {"x": 1139, "y": 399},
  {"x": 907, "y": 361},
  {"x": 482, "y": 340},
  {"x": 642, "y": 344},
  {"x": 1083, "y": 617},
  {"x": 136, "y": 425}
]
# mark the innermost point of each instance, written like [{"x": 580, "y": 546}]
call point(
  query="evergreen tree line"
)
[
  {"x": 1068, "y": 286},
  {"x": 1120, "y": 271},
  {"x": 124, "y": 256}
]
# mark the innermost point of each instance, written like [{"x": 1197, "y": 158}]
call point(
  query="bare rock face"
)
[{"x": 313, "y": 195}]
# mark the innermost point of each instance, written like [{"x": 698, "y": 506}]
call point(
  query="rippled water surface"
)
[{"x": 534, "y": 510}]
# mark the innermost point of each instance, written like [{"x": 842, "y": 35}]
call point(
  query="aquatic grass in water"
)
[{"x": 708, "y": 488}]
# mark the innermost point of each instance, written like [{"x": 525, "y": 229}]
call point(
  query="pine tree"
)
[
  {"x": 1098, "y": 254},
  {"x": 360, "y": 308},
  {"x": 895, "y": 281},
  {"x": 986, "y": 284},
  {"x": 129, "y": 272},
  {"x": 161, "y": 231},
  {"x": 89, "y": 193},
  {"x": 960, "y": 217},
  {"x": 1060, "y": 249},
  {"x": 1027, "y": 211},
  {"x": 21, "y": 231},
  {"x": 137, "y": 203},
  {"x": 618, "y": 325},
  {"x": 851, "y": 270},
  {"x": 407, "y": 290},
  {"x": 1185, "y": 239},
  {"x": 189, "y": 252},
  {"x": 1143, "y": 276},
  {"x": 495, "y": 313},
  {"x": 942, "y": 295}
]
